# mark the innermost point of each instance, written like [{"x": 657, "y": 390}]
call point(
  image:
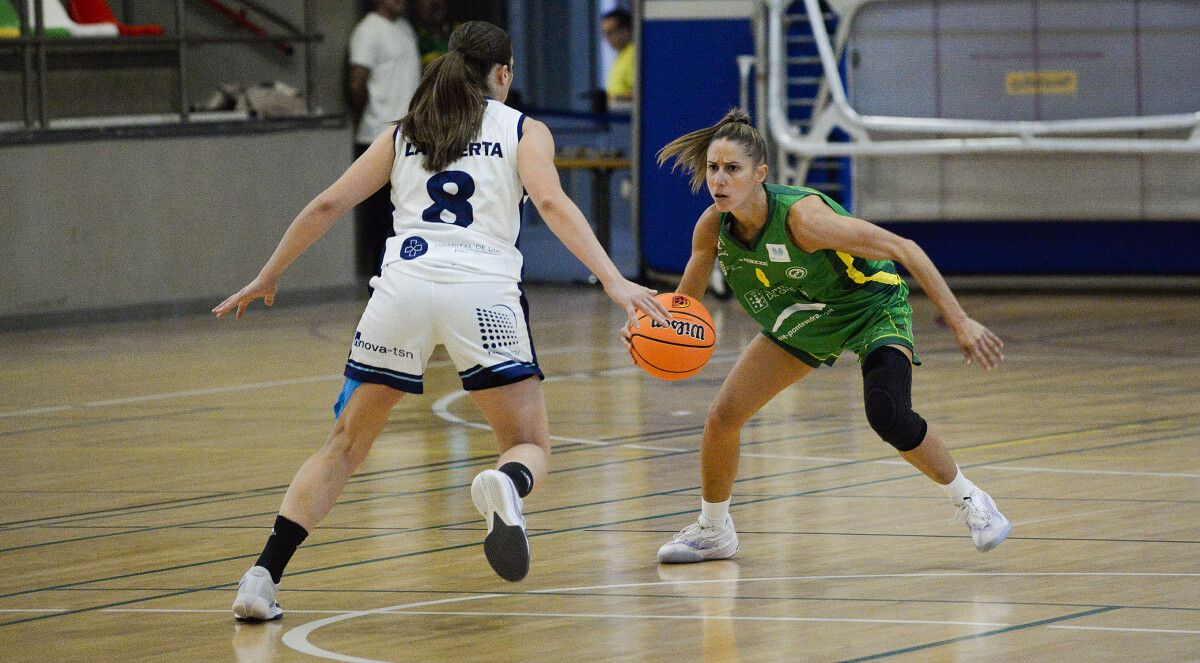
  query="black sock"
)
[
  {"x": 521, "y": 477},
  {"x": 285, "y": 537}
]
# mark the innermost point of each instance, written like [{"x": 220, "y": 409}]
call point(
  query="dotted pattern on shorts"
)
[{"x": 497, "y": 327}]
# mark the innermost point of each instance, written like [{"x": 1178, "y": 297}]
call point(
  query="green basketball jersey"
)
[{"x": 819, "y": 302}]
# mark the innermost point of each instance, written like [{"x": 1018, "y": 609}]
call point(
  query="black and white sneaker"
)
[{"x": 506, "y": 545}]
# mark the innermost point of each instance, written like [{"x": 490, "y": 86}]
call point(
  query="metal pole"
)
[
  {"x": 308, "y": 58},
  {"x": 27, "y": 71},
  {"x": 181, "y": 54},
  {"x": 39, "y": 33}
]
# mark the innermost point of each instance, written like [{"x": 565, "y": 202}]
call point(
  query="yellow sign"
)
[{"x": 1041, "y": 82}]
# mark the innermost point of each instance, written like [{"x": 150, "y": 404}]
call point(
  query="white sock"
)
[
  {"x": 713, "y": 513},
  {"x": 960, "y": 488}
]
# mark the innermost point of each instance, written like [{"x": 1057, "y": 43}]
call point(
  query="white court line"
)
[
  {"x": 297, "y": 638},
  {"x": 223, "y": 611},
  {"x": 441, "y": 408},
  {"x": 35, "y": 610},
  {"x": 233, "y": 388},
  {"x": 602, "y": 615},
  {"x": 986, "y": 466},
  {"x": 819, "y": 459},
  {"x": 37, "y": 410},
  {"x": 1131, "y": 630},
  {"x": 1184, "y": 475}
]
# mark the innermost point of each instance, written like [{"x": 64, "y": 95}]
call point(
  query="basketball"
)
[{"x": 679, "y": 350}]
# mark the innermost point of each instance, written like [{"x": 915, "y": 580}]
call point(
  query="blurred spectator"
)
[
  {"x": 385, "y": 68},
  {"x": 617, "y": 27},
  {"x": 433, "y": 30}
]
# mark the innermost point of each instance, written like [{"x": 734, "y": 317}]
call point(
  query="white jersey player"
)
[{"x": 459, "y": 164}]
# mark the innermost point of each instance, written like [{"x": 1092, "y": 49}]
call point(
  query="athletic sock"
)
[
  {"x": 521, "y": 477},
  {"x": 713, "y": 514},
  {"x": 285, "y": 537},
  {"x": 959, "y": 489}
]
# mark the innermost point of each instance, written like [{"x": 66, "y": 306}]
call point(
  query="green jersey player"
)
[{"x": 818, "y": 281}]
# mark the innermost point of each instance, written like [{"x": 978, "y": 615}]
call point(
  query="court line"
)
[
  {"x": 1012, "y": 468},
  {"x": 246, "y": 386},
  {"x": 601, "y": 615},
  {"x": 104, "y": 422},
  {"x": 297, "y": 638},
  {"x": 455, "y": 547},
  {"x": 976, "y": 636},
  {"x": 566, "y": 507},
  {"x": 217, "y": 499},
  {"x": 1128, "y": 629}
]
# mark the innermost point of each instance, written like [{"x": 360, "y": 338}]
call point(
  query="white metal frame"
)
[{"x": 971, "y": 136}]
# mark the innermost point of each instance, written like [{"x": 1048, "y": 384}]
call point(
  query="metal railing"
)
[
  {"x": 35, "y": 48},
  {"x": 969, "y": 136}
]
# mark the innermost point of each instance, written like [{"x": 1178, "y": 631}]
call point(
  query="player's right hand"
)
[
  {"x": 259, "y": 288},
  {"x": 633, "y": 298},
  {"x": 978, "y": 344}
]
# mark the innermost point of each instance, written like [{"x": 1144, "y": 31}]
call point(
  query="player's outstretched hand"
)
[
  {"x": 978, "y": 344},
  {"x": 259, "y": 288},
  {"x": 633, "y": 298}
]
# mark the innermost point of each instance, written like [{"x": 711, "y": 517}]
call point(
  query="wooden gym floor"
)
[{"x": 142, "y": 463}]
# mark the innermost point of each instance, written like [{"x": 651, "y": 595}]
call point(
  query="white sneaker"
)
[
  {"x": 506, "y": 546},
  {"x": 988, "y": 526},
  {"x": 256, "y": 597},
  {"x": 700, "y": 541}
]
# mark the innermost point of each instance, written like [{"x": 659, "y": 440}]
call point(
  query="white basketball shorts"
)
[{"x": 483, "y": 325}]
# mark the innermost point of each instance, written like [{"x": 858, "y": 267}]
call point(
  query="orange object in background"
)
[{"x": 98, "y": 11}]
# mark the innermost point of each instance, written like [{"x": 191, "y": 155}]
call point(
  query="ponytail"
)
[
  {"x": 690, "y": 151},
  {"x": 446, "y": 111}
]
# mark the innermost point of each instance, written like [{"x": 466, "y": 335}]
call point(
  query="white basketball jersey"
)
[{"x": 460, "y": 224}]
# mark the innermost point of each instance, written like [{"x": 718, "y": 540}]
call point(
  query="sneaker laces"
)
[
  {"x": 696, "y": 531},
  {"x": 973, "y": 513}
]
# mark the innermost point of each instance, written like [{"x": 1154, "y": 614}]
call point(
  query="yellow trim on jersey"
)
[{"x": 860, "y": 278}]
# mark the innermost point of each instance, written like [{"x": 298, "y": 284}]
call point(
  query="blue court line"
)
[{"x": 984, "y": 634}]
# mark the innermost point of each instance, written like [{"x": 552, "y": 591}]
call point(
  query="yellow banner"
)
[{"x": 1041, "y": 82}]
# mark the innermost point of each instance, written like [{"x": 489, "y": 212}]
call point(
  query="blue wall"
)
[{"x": 689, "y": 81}]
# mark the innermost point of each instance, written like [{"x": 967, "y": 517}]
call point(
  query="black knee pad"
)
[{"x": 887, "y": 394}]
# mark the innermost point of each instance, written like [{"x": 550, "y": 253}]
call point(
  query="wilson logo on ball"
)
[{"x": 690, "y": 329}]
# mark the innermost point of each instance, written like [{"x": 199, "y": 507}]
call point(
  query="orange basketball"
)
[{"x": 677, "y": 351}]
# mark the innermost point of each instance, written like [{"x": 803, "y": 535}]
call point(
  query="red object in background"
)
[{"x": 98, "y": 11}]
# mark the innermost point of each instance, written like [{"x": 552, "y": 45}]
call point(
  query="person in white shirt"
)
[
  {"x": 460, "y": 163},
  {"x": 385, "y": 67}
]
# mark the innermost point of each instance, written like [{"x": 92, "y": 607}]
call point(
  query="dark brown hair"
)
[
  {"x": 446, "y": 112},
  {"x": 690, "y": 151}
]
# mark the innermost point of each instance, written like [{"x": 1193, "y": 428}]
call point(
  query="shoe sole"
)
[
  {"x": 244, "y": 611},
  {"x": 998, "y": 540},
  {"x": 690, "y": 556},
  {"x": 506, "y": 546},
  {"x": 507, "y": 550}
]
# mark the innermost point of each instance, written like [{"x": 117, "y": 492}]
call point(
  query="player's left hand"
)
[
  {"x": 256, "y": 289},
  {"x": 633, "y": 298},
  {"x": 978, "y": 344}
]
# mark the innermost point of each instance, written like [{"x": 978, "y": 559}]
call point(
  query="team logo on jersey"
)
[
  {"x": 777, "y": 253},
  {"x": 762, "y": 278},
  {"x": 797, "y": 273},
  {"x": 414, "y": 247},
  {"x": 680, "y": 301},
  {"x": 756, "y": 300}
]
